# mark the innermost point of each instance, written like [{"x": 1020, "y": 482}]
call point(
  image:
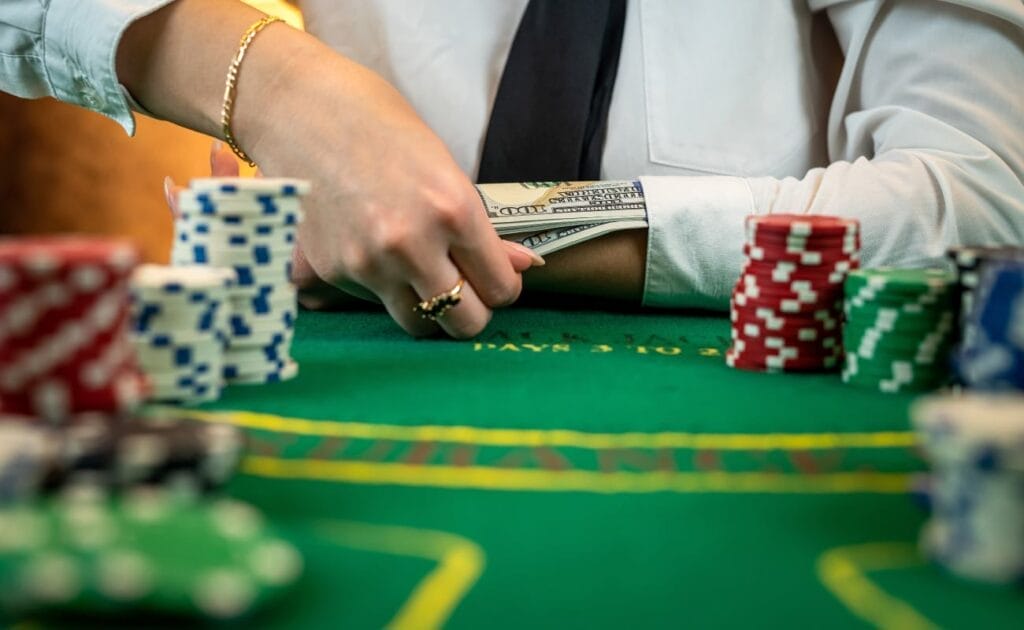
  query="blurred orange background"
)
[{"x": 65, "y": 169}]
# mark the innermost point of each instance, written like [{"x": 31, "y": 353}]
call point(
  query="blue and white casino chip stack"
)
[
  {"x": 248, "y": 225},
  {"x": 975, "y": 444},
  {"x": 179, "y": 330},
  {"x": 991, "y": 356}
]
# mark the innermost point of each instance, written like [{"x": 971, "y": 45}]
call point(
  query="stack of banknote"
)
[{"x": 549, "y": 216}]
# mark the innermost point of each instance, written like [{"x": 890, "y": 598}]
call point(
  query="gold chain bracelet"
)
[{"x": 227, "y": 109}]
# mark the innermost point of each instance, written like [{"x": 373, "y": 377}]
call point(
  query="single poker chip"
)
[
  {"x": 153, "y": 318},
  {"x": 240, "y": 186},
  {"x": 787, "y": 305},
  {"x": 258, "y": 256},
  {"x": 179, "y": 355},
  {"x": 42, "y": 257},
  {"x": 762, "y": 347},
  {"x": 801, "y": 290},
  {"x": 901, "y": 281},
  {"x": 184, "y": 375},
  {"x": 222, "y": 236},
  {"x": 971, "y": 257},
  {"x": 227, "y": 223},
  {"x": 825, "y": 258},
  {"x": 277, "y": 372},
  {"x": 251, "y": 275},
  {"x": 896, "y": 320},
  {"x": 148, "y": 551},
  {"x": 201, "y": 207},
  {"x": 790, "y": 272},
  {"x": 804, "y": 332},
  {"x": 164, "y": 280},
  {"x": 791, "y": 247},
  {"x": 781, "y": 362},
  {"x": 978, "y": 430},
  {"x": 210, "y": 250},
  {"x": 801, "y": 224}
]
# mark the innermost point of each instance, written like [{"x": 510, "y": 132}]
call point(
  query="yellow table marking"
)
[
  {"x": 844, "y": 570},
  {"x": 460, "y": 562}
]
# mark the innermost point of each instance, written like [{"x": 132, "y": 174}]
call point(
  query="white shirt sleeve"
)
[
  {"x": 926, "y": 149},
  {"x": 67, "y": 49}
]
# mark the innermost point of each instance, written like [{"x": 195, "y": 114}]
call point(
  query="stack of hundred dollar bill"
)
[{"x": 549, "y": 216}]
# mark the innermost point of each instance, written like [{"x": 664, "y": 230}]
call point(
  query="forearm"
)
[
  {"x": 174, "y": 63},
  {"x": 611, "y": 267}
]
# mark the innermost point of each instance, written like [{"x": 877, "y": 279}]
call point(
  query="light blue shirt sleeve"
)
[{"x": 67, "y": 49}]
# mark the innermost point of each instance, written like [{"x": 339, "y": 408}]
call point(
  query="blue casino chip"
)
[{"x": 991, "y": 356}]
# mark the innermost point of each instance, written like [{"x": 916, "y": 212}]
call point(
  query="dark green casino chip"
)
[
  {"x": 899, "y": 329},
  {"x": 148, "y": 550}
]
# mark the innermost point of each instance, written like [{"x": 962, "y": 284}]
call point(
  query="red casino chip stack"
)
[
  {"x": 787, "y": 306},
  {"x": 64, "y": 307}
]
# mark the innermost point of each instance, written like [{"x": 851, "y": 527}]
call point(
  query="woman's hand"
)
[
  {"x": 314, "y": 293},
  {"x": 390, "y": 213}
]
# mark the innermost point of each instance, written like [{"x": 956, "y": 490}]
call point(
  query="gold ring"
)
[{"x": 439, "y": 304}]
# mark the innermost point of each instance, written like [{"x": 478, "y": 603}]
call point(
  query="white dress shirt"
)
[{"x": 905, "y": 114}]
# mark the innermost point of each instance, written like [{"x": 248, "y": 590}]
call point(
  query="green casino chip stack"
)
[
  {"x": 899, "y": 330},
  {"x": 148, "y": 550}
]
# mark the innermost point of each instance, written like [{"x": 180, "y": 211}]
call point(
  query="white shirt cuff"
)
[
  {"x": 80, "y": 54},
  {"x": 695, "y": 239}
]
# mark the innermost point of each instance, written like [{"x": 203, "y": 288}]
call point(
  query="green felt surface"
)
[
  {"x": 601, "y": 551},
  {"x": 587, "y": 469}
]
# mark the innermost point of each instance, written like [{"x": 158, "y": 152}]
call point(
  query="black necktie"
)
[{"x": 551, "y": 110}]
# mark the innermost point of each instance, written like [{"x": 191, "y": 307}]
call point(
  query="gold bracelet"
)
[{"x": 229, "y": 88}]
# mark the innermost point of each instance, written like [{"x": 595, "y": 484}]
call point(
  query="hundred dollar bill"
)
[
  {"x": 535, "y": 206},
  {"x": 548, "y": 241}
]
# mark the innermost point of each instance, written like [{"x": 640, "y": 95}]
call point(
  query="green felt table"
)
[{"x": 587, "y": 469}]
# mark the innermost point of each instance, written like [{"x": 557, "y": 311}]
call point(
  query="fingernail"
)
[
  {"x": 534, "y": 257},
  {"x": 168, "y": 186},
  {"x": 217, "y": 145}
]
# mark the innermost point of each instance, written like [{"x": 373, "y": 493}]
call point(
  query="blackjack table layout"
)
[{"x": 586, "y": 469}]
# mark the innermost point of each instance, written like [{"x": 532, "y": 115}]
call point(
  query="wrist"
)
[{"x": 270, "y": 80}]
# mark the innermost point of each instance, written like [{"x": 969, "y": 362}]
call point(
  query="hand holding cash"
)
[{"x": 550, "y": 216}]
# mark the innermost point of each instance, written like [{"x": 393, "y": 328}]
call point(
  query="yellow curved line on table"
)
[
  {"x": 491, "y": 478},
  {"x": 559, "y": 437},
  {"x": 460, "y": 562},
  {"x": 843, "y": 571}
]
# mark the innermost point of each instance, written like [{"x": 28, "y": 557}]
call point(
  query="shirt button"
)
[{"x": 90, "y": 97}]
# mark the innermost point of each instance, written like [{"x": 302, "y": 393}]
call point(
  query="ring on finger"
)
[{"x": 434, "y": 307}]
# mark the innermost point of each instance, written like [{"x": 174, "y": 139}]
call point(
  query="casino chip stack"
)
[
  {"x": 969, "y": 261},
  {"x": 991, "y": 356},
  {"x": 899, "y": 328},
  {"x": 64, "y": 343},
  {"x": 786, "y": 308},
  {"x": 975, "y": 444},
  {"x": 192, "y": 456},
  {"x": 146, "y": 551},
  {"x": 179, "y": 326},
  {"x": 248, "y": 225}
]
